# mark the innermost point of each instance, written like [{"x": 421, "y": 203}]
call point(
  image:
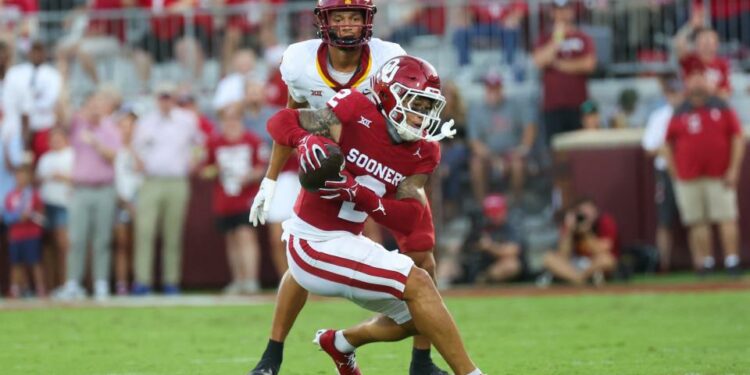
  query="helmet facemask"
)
[
  {"x": 412, "y": 101},
  {"x": 330, "y": 34}
]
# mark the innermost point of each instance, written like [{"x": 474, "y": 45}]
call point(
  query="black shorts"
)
[
  {"x": 559, "y": 121},
  {"x": 666, "y": 205},
  {"x": 228, "y": 223}
]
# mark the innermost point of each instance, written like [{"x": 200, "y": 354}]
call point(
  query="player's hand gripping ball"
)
[{"x": 320, "y": 160}]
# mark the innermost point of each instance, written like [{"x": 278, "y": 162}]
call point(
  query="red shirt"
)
[
  {"x": 723, "y": 9},
  {"x": 701, "y": 138},
  {"x": 564, "y": 90},
  {"x": 166, "y": 25},
  {"x": 716, "y": 70},
  {"x": 18, "y": 202},
  {"x": 496, "y": 12},
  {"x": 604, "y": 227},
  {"x": 235, "y": 159},
  {"x": 371, "y": 156},
  {"x": 107, "y": 25},
  {"x": 277, "y": 93}
]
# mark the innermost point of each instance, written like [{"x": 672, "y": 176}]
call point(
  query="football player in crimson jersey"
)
[
  {"x": 345, "y": 56},
  {"x": 388, "y": 138}
]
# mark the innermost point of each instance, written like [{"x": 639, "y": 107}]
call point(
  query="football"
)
[{"x": 312, "y": 180}]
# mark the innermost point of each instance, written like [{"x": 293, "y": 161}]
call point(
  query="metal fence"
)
[{"x": 632, "y": 36}]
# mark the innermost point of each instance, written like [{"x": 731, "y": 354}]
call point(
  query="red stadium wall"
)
[{"x": 621, "y": 180}]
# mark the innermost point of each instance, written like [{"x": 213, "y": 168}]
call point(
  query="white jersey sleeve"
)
[
  {"x": 385, "y": 51},
  {"x": 292, "y": 66}
]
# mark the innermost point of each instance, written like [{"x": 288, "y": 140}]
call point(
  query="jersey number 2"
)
[
  {"x": 334, "y": 101},
  {"x": 347, "y": 211}
]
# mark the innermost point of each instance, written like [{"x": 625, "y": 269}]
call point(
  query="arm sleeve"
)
[
  {"x": 284, "y": 127},
  {"x": 399, "y": 215},
  {"x": 422, "y": 237}
]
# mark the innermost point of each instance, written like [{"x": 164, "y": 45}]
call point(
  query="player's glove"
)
[
  {"x": 312, "y": 151},
  {"x": 343, "y": 189},
  {"x": 446, "y": 131},
  {"x": 262, "y": 202}
]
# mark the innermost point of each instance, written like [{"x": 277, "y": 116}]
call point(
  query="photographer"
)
[{"x": 588, "y": 245}]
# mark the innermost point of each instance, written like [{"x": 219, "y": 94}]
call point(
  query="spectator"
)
[
  {"x": 128, "y": 180},
  {"x": 703, "y": 57},
  {"x": 11, "y": 156},
  {"x": 186, "y": 101},
  {"x": 257, "y": 114},
  {"x": 247, "y": 22},
  {"x": 24, "y": 218},
  {"x": 277, "y": 94},
  {"x": 498, "y": 243},
  {"x": 454, "y": 153},
  {"x": 19, "y": 23},
  {"x": 590, "y": 117},
  {"x": 414, "y": 18},
  {"x": 704, "y": 153},
  {"x": 164, "y": 142},
  {"x": 627, "y": 114},
  {"x": 95, "y": 140},
  {"x": 493, "y": 21},
  {"x": 566, "y": 57},
  {"x": 93, "y": 37},
  {"x": 30, "y": 96},
  {"x": 231, "y": 88},
  {"x": 53, "y": 173},
  {"x": 257, "y": 111},
  {"x": 501, "y": 134},
  {"x": 653, "y": 143},
  {"x": 167, "y": 40},
  {"x": 6, "y": 57},
  {"x": 237, "y": 155},
  {"x": 588, "y": 248}
]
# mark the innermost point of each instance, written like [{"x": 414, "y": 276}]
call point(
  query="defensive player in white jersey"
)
[
  {"x": 345, "y": 56},
  {"x": 388, "y": 139}
]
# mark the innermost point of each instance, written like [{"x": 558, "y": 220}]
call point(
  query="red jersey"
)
[
  {"x": 371, "y": 157},
  {"x": 716, "y": 71},
  {"x": 235, "y": 160},
  {"x": 564, "y": 90},
  {"x": 488, "y": 13},
  {"x": 701, "y": 138},
  {"x": 107, "y": 25},
  {"x": 17, "y": 203}
]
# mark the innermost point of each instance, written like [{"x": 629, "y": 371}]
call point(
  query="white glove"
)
[
  {"x": 446, "y": 131},
  {"x": 262, "y": 202}
]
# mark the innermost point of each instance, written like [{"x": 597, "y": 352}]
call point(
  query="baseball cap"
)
[
  {"x": 494, "y": 205},
  {"x": 493, "y": 80},
  {"x": 165, "y": 88},
  {"x": 589, "y": 107}
]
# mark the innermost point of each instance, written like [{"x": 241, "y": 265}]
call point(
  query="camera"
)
[{"x": 580, "y": 217}]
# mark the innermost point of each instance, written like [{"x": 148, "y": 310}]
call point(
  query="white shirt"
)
[
  {"x": 54, "y": 191},
  {"x": 231, "y": 89},
  {"x": 127, "y": 179},
  {"x": 656, "y": 132},
  {"x": 33, "y": 91},
  {"x": 301, "y": 70},
  {"x": 165, "y": 143}
]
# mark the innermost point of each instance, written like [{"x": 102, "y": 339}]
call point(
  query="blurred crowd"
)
[{"x": 108, "y": 174}]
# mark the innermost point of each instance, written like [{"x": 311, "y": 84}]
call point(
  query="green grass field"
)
[{"x": 702, "y": 333}]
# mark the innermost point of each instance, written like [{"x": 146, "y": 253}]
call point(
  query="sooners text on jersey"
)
[{"x": 371, "y": 157}]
